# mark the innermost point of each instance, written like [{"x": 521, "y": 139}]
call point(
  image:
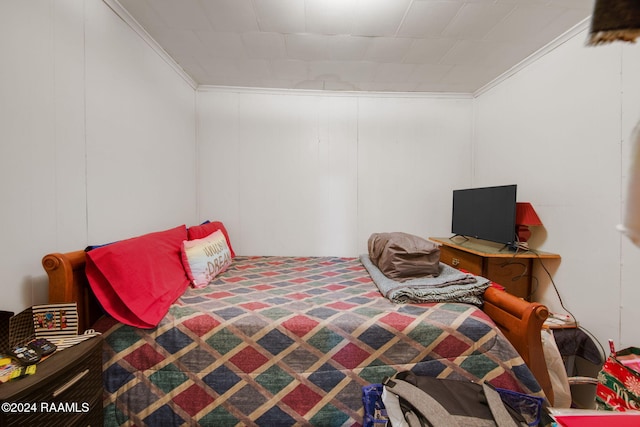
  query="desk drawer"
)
[
  {"x": 66, "y": 390},
  {"x": 461, "y": 260},
  {"x": 512, "y": 273}
]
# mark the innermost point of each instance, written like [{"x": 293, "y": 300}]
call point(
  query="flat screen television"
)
[{"x": 487, "y": 213}]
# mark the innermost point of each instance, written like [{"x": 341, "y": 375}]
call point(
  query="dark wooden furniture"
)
[
  {"x": 493, "y": 261},
  {"x": 66, "y": 390}
]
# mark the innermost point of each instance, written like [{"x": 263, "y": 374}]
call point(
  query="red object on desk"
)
[{"x": 526, "y": 217}]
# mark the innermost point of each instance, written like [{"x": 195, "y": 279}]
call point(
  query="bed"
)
[{"x": 292, "y": 341}]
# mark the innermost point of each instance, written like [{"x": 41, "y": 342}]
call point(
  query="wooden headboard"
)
[
  {"x": 519, "y": 320},
  {"x": 68, "y": 283}
]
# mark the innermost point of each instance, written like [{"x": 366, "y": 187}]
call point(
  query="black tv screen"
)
[{"x": 487, "y": 213}]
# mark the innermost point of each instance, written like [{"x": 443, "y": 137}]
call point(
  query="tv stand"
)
[
  {"x": 511, "y": 269},
  {"x": 509, "y": 248}
]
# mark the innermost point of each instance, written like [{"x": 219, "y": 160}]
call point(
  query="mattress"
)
[{"x": 280, "y": 341}]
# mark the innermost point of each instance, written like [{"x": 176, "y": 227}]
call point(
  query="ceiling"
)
[{"x": 354, "y": 45}]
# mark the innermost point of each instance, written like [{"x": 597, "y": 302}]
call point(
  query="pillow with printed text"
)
[
  {"x": 205, "y": 258},
  {"x": 205, "y": 229}
]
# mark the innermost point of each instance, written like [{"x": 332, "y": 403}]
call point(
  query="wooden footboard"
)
[{"x": 520, "y": 321}]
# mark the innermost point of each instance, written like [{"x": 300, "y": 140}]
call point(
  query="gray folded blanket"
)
[{"x": 450, "y": 285}]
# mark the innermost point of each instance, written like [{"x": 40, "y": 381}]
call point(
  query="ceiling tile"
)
[
  {"x": 428, "y": 50},
  {"x": 264, "y": 45},
  {"x": 306, "y": 46},
  {"x": 503, "y": 55},
  {"x": 290, "y": 69},
  {"x": 475, "y": 20},
  {"x": 253, "y": 69},
  {"x": 329, "y": 17},
  {"x": 196, "y": 72},
  {"x": 468, "y": 52},
  {"x": 222, "y": 44},
  {"x": 567, "y": 19},
  {"x": 218, "y": 68},
  {"x": 428, "y": 72},
  {"x": 231, "y": 15},
  {"x": 180, "y": 42},
  {"x": 356, "y": 71},
  {"x": 348, "y": 48},
  {"x": 387, "y": 49},
  {"x": 392, "y": 72},
  {"x": 280, "y": 16},
  {"x": 427, "y": 18},
  {"x": 142, "y": 12},
  {"x": 523, "y": 22},
  {"x": 182, "y": 15},
  {"x": 379, "y": 17}
]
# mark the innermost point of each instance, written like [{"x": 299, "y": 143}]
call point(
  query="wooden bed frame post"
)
[
  {"x": 68, "y": 283},
  {"x": 520, "y": 321}
]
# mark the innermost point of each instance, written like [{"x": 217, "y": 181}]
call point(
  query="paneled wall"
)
[
  {"x": 140, "y": 115},
  {"x": 97, "y": 138},
  {"x": 560, "y": 129},
  {"x": 304, "y": 173},
  {"x": 630, "y": 254},
  {"x": 42, "y": 188}
]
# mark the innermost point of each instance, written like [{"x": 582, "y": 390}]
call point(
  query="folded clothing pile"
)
[
  {"x": 407, "y": 269},
  {"x": 403, "y": 256}
]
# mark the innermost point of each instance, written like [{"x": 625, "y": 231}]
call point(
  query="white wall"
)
[
  {"x": 304, "y": 173},
  {"x": 630, "y": 259},
  {"x": 97, "y": 138},
  {"x": 141, "y": 166},
  {"x": 556, "y": 129}
]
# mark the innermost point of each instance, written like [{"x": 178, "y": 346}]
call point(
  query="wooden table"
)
[{"x": 495, "y": 261}]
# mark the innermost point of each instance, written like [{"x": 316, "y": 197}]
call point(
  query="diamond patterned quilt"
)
[{"x": 282, "y": 341}]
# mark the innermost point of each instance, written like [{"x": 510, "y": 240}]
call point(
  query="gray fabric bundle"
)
[{"x": 450, "y": 285}]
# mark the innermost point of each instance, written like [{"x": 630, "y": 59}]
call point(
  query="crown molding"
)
[
  {"x": 123, "y": 14},
  {"x": 338, "y": 93},
  {"x": 553, "y": 45}
]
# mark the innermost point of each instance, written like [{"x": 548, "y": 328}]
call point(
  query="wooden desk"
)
[{"x": 494, "y": 261}]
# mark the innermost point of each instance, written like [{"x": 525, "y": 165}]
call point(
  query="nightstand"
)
[
  {"x": 65, "y": 390},
  {"x": 509, "y": 269}
]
